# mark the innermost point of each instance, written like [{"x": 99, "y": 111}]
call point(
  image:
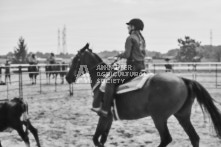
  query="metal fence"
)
[
  {"x": 20, "y": 84},
  {"x": 209, "y": 74}
]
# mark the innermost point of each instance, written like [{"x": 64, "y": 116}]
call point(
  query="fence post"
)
[
  {"x": 216, "y": 76},
  {"x": 7, "y": 88},
  {"x": 39, "y": 69},
  {"x": 55, "y": 82},
  {"x": 194, "y": 71},
  {"x": 20, "y": 82}
]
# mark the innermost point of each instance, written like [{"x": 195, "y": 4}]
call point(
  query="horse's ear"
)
[{"x": 85, "y": 47}]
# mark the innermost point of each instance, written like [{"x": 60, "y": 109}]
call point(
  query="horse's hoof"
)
[{"x": 100, "y": 145}]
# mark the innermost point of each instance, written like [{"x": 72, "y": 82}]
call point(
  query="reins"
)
[{"x": 98, "y": 83}]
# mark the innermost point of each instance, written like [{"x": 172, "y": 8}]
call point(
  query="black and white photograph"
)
[{"x": 110, "y": 73}]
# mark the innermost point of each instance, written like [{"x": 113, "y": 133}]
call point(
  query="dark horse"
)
[
  {"x": 162, "y": 96},
  {"x": 10, "y": 117},
  {"x": 33, "y": 72},
  {"x": 52, "y": 70}
]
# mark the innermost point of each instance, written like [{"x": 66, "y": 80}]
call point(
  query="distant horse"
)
[
  {"x": 33, "y": 72},
  {"x": 52, "y": 70},
  {"x": 169, "y": 68},
  {"x": 10, "y": 114},
  {"x": 162, "y": 96},
  {"x": 63, "y": 72}
]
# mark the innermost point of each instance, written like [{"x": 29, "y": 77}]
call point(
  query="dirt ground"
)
[{"x": 67, "y": 121}]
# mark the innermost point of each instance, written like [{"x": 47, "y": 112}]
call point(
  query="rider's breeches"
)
[{"x": 113, "y": 82}]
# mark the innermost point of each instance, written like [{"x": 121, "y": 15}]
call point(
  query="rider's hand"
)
[{"x": 119, "y": 56}]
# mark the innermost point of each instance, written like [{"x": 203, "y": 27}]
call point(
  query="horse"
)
[
  {"x": 169, "y": 68},
  {"x": 163, "y": 95},
  {"x": 52, "y": 70},
  {"x": 10, "y": 117},
  {"x": 33, "y": 73}
]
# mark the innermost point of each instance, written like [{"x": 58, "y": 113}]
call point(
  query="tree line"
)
[
  {"x": 20, "y": 53},
  {"x": 189, "y": 50}
]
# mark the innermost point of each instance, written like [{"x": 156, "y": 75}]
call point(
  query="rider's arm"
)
[{"x": 128, "y": 47}]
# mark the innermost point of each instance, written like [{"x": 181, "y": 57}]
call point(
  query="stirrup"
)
[
  {"x": 103, "y": 113},
  {"x": 96, "y": 109}
]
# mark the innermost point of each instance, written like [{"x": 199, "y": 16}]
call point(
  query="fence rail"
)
[
  {"x": 206, "y": 73},
  {"x": 20, "y": 81}
]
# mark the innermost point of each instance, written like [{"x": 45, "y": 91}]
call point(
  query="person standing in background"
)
[{"x": 7, "y": 72}]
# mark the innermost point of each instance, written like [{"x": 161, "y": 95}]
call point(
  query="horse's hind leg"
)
[
  {"x": 161, "y": 125},
  {"x": 184, "y": 120}
]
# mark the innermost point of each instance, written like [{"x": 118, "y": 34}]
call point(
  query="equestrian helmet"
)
[{"x": 137, "y": 23}]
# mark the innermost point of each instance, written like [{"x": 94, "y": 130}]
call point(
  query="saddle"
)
[{"x": 134, "y": 84}]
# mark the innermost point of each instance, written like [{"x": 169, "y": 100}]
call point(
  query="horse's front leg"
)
[
  {"x": 36, "y": 79},
  {"x": 107, "y": 129},
  {"x": 23, "y": 134},
  {"x": 102, "y": 130},
  {"x": 33, "y": 130}
]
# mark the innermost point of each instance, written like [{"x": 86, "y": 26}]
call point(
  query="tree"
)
[
  {"x": 172, "y": 52},
  {"x": 21, "y": 51},
  {"x": 188, "y": 51},
  {"x": 217, "y": 53}
]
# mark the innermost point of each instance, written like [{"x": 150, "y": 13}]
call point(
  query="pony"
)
[
  {"x": 10, "y": 114},
  {"x": 163, "y": 95},
  {"x": 33, "y": 73}
]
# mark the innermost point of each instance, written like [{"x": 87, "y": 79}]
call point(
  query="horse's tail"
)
[{"x": 206, "y": 103}]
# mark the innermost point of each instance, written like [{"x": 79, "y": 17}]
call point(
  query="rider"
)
[
  {"x": 7, "y": 71},
  {"x": 32, "y": 59},
  {"x": 135, "y": 54},
  {"x": 51, "y": 59}
]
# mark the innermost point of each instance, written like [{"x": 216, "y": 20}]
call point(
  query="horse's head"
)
[
  {"x": 20, "y": 103},
  {"x": 17, "y": 100},
  {"x": 85, "y": 57}
]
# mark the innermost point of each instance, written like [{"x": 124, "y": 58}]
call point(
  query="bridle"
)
[
  {"x": 91, "y": 68},
  {"x": 79, "y": 56}
]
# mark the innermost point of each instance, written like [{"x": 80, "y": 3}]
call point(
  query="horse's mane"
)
[{"x": 100, "y": 60}]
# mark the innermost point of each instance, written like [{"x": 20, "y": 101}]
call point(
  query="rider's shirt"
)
[
  {"x": 33, "y": 60},
  {"x": 134, "y": 47},
  {"x": 51, "y": 60}
]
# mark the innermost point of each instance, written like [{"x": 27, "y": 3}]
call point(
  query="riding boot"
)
[
  {"x": 108, "y": 99},
  {"x": 97, "y": 101}
]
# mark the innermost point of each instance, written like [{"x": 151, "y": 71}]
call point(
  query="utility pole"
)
[
  {"x": 59, "y": 45},
  {"x": 211, "y": 37},
  {"x": 64, "y": 40}
]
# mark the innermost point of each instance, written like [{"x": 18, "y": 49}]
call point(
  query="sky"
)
[{"x": 102, "y": 23}]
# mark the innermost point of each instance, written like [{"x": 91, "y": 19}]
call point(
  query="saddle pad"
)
[{"x": 134, "y": 84}]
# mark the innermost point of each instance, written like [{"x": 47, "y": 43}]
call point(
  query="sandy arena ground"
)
[{"x": 67, "y": 121}]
